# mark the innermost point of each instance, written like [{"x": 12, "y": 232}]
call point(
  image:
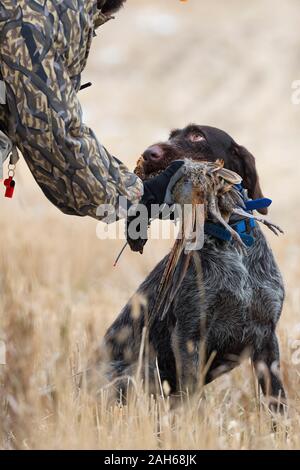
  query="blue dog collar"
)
[{"x": 244, "y": 228}]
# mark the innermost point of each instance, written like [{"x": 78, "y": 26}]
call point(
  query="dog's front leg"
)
[
  {"x": 266, "y": 363},
  {"x": 186, "y": 349}
]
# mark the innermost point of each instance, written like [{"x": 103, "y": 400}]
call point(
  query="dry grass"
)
[{"x": 58, "y": 289}]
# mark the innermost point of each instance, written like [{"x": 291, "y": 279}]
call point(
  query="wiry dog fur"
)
[{"x": 234, "y": 308}]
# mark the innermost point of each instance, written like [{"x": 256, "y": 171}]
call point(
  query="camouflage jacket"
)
[{"x": 44, "y": 46}]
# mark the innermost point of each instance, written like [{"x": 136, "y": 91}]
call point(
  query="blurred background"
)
[{"x": 157, "y": 66}]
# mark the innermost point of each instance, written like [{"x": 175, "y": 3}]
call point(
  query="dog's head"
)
[{"x": 202, "y": 143}]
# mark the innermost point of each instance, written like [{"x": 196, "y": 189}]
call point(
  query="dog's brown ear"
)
[{"x": 249, "y": 174}]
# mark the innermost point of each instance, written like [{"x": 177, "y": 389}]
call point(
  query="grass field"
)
[{"x": 158, "y": 65}]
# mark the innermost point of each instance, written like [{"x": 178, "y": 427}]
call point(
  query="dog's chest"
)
[
  {"x": 217, "y": 282},
  {"x": 225, "y": 270},
  {"x": 238, "y": 296}
]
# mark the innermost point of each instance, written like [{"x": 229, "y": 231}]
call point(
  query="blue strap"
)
[
  {"x": 256, "y": 204},
  {"x": 240, "y": 227},
  {"x": 247, "y": 239},
  {"x": 217, "y": 231},
  {"x": 253, "y": 204}
]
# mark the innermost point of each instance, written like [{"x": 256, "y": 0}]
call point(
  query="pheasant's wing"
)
[{"x": 228, "y": 175}]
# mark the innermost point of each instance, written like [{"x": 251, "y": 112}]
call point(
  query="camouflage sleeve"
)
[{"x": 73, "y": 169}]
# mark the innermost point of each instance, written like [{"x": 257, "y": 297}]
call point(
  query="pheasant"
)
[{"x": 205, "y": 191}]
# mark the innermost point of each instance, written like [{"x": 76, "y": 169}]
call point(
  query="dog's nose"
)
[{"x": 153, "y": 153}]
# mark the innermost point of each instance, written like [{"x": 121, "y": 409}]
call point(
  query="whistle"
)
[{"x": 10, "y": 187}]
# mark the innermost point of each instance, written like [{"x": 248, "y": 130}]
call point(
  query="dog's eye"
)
[{"x": 195, "y": 137}]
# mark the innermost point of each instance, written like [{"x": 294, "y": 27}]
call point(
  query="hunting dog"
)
[{"x": 235, "y": 310}]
